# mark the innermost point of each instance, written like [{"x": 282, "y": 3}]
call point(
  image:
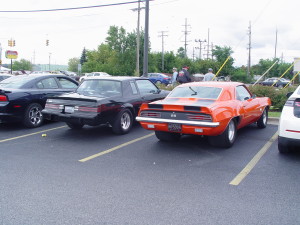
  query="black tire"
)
[
  {"x": 227, "y": 138},
  {"x": 123, "y": 122},
  {"x": 74, "y": 126},
  {"x": 263, "y": 120},
  {"x": 167, "y": 136},
  {"x": 33, "y": 116}
]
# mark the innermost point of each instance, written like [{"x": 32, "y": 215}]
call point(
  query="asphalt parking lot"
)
[{"x": 55, "y": 175}]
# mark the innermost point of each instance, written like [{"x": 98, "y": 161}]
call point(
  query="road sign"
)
[{"x": 11, "y": 54}]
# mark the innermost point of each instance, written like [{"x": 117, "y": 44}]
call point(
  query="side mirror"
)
[
  {"x": 289, "y": 94},
  {"x": 253, "y": 96}
]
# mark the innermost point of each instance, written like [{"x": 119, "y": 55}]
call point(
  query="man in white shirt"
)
[{"x": 209, "y": 76}]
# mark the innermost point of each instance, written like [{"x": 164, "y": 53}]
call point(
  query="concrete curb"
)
[{"x": 273, "y": 120}]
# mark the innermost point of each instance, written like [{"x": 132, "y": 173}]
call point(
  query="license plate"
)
[
  {"x": 69, "y": 109},
  {"x": 174, "y": 127}
]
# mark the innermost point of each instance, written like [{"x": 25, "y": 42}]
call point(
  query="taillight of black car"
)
[{"x": 3, "y": 98}]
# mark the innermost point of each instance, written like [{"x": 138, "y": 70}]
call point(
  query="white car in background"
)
[
  {"x": 289, "y": 124},
  {"x": 93, "y": 74}
]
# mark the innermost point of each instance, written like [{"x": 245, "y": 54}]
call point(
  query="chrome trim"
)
[{"x": 184, "y": 122}]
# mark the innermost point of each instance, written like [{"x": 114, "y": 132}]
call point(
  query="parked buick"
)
[{"x": 113, "y": 101}]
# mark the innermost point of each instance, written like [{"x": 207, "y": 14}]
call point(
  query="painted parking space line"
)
[
  {"x": 238, "y": 179},
  {"x": 27, "y": 135},
  {"x": 115, "y": 148}
]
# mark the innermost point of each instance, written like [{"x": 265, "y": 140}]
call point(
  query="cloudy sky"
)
[{"x": 227, "y": 22}]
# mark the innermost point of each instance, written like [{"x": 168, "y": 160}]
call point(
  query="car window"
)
[
  {"x": 242, "y": 93},
  {"x": 133, "y": 88},
  {"x": 146, "y": 87},
  {"x": 48, "y": 83},
  {"x": 106, "y": 88},
  {"x": 196, "y": 92},
  {"x": 65, "y": 83}
]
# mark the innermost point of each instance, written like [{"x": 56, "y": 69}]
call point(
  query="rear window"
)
[
  {"x": 15, "y": 82},
  {"x": 196, "y": 92},
  {"x": 100, "y": 88}
]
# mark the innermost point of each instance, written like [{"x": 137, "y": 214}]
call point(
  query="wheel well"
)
[{"x": 237, "y": 120}]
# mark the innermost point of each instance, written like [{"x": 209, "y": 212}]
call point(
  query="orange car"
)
[{"x": 213, "y": 109}]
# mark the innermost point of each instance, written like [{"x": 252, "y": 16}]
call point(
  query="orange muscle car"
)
[{"x": 213, "y": 109}]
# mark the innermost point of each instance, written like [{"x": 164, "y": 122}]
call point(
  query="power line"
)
[{"x": 64, "y": 9}]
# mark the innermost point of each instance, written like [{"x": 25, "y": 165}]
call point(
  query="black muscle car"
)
[
  {"x": 23, "y": 97},
  {"x": 114, "y": 101}
]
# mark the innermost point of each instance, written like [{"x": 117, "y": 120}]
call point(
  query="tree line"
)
[{"x": 117, "y": 56}]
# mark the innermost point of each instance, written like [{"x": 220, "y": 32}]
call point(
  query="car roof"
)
[
  {"x": 213, "y": 84},
  {"x": 119, "y": 78}
]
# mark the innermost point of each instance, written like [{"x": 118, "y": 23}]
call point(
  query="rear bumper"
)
[
  {"x": 91, "y": 120},
  {"x": 9, "y": 117},
  {"x": 187, "y": 127},
  {"x": 288, "y": 141}
]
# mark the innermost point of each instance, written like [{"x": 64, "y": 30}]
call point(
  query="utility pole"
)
[
  {"x": 249, "y": 50},
  {"x": 275, "y": 43},
  {"x": 186, "y": 32},
  {"x": 162, "y": 48},
  {"x": 207, "y": 44},
  {"x": 49, "y": 61},
  {"x": 146, "y": 39},
  {"x": 137, "y": 69},
  {"x": 200, "y": 47}
]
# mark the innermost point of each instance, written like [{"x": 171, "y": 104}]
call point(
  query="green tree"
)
[
  {"x": 83, "y": 58},
  {"x": 23, "y": 64},
  {"x": 221, "y": 54},
  {"x": 181, "y": 52},
  {"x": 73, "y": 64}
]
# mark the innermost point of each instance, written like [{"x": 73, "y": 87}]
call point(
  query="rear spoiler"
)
[{"x": 4, "y": 91}]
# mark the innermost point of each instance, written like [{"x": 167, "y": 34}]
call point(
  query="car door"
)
[{"x": 249, "y": 105}]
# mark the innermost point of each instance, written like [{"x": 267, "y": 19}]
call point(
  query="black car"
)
[
  {"x": 114, "y": 101},
  {"x": 280, "y": 83},
  {"x": 23, "y": 97},
  {"x": 4, "y": 76}
]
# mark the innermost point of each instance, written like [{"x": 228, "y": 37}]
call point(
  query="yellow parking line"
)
[
  {"x": 26, "y": 135},
  {"x": 238, "y": 179},
  {"x": 115, "y": 148}
]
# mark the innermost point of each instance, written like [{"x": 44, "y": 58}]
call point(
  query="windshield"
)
[
  {"x": 196, "y": 92},
  {"x": 100, "y": 88},
  {"x": 15, "y": 82}
]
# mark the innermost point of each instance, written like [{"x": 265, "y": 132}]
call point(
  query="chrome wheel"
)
[
  {"x": 231, "y": 131},
  {"x": 125, "y": 121},
  {"x": 35, "y": 116}
]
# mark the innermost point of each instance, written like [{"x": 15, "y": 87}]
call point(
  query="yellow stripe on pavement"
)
[
  {"x": 238, "y": 179},
  {"x": 115, "y": 148},
  {"x": 26, "y": 135}
]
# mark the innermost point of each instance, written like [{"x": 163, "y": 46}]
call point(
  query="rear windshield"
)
[
  {"x": 196, "y": 92},
  {"x": 15, "y": 82},
  {"x": 100, "y": 88}
]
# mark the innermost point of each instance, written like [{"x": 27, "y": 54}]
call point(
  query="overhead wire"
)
[{"x": 65, "y": 9}]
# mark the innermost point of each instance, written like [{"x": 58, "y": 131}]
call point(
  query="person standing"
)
[
  {"x": 209, "y": 76},
  {"x": 184, "y": 75},
  {"x": 174, "y": 77}
]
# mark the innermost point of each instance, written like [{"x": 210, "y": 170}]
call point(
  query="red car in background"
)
[{"x": 213, "y": 109}]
